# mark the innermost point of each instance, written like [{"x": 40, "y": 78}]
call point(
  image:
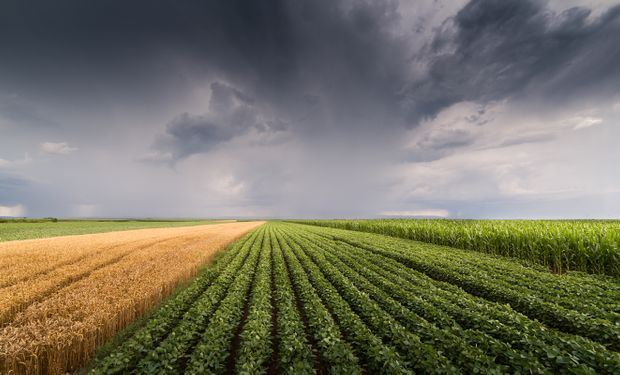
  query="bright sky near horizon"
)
[{"x": 345, "y": 108}]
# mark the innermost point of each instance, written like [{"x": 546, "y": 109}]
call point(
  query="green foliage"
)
[
  {"x": 295, "y": 354},
  {"x": 255, "y": 346},
  {"x": 303, "y": 299},
  {"x": 379, "y": 358},
  {"x": 336, "y": 353},
  {"x": 591, "y": 246},
  {"x": 489, "y": 286},
  {"x": 212, "y": 351},
  {"x": 467, "y": 357}
]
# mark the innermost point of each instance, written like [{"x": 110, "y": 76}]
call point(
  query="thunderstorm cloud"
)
[{"x": 345, "y": 108}]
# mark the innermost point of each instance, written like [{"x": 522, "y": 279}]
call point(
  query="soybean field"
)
[{"x": 298, "y": 299}]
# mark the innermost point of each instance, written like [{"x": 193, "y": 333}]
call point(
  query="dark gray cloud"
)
[
  {"x": 494, "y": 49},
  {"x": 318, "y": 64},
  {"x": 299, "y": 107},
  {"x": 279, "y": 50},
  {"x": 188, "y": 134},
  {"x": 231, "y": 113},
  {"x": 134, "y": 48}
]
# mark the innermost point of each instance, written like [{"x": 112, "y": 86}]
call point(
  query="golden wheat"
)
[{"x": 54, "y": 321}]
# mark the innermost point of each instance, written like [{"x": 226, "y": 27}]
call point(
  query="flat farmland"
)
[
  {"x": 62, "y": 297},
  {"x": 25, "y": 229},
  {"x": 298, "y": 299}
]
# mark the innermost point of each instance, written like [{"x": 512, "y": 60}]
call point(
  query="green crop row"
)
[
  {"x": 212, "y": 352},
  {"x": 298, "y": 299},
  {"x": 523, "y": 344},
  {"x": 336, "y": 354},
  {"x": 462, "y": 353},
  {"x": 567, "y": 245},
  {"x": 255, "y": 348},
  {"x": 437, "y": 263},
  {"x": 294, "y": 351},
  {"x": 377, "y": 356}
]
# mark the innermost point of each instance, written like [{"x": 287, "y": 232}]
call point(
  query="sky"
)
[{"x": 310, "y": 109}]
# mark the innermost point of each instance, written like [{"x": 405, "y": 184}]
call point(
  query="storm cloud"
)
[
  {"x": 231, "y": 113},
  {"x": 494, "y": 49},
  {"x": 347, "y": 60},
  {"x": 280, "y": 51},
  {"x": 305, "y": 108}
]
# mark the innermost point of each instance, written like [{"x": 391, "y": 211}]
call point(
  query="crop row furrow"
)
[
  {"x": 213, "y": 350},
  {"x": 295, "y": 352},
  {"x": 464, "y": 348},
  {"x": 545, "y": 286},
  {"x": 337, "y": 355},
  {"x": 603, "y": 298},
  {"x": 555, "y": 316},
  {"x": 255, "y": 346},
  {"x": 388, "y": 346},
  {"x": 553, "y": 348}
]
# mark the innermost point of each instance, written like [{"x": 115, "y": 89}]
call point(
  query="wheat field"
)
[{"x": 62, "y": 297}]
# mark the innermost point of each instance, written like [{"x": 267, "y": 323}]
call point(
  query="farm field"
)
[
  {"x": 62, "y": 297},
  {"x": 11, "y": 230},
  {"x": 298, "y": 299},
  {"x": 591, "y": 246}
]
